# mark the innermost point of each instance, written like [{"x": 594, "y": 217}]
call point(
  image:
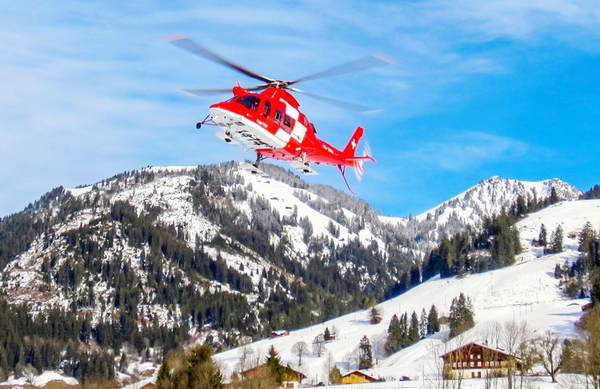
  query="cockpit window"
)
[{"x": 250, "y": 102}]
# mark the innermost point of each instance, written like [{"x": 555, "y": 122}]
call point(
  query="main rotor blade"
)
[
  {"x": 195, "y": 48},
  {"x": 217, "y": 91},
  {"x": 338, "y": 103},
  {"x": 207, "y": 92},
  {"x": 364, "y": 63}
]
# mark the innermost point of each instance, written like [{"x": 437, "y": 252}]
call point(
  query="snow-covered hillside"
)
[
  {"x": 526, "y": 292},
  {"x": 214, "y": 253},
  {"x": 210, "y": 253}
]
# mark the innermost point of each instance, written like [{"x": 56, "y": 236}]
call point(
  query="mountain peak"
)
[{"x": 489, "y": 197}]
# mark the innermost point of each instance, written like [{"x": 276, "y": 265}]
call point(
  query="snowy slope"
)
[
  {"x": 526, "y": 292},
  {"x": 168, "y": 193}
]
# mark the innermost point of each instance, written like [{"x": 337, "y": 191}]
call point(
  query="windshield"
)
[{"x": 250, "y": 102}]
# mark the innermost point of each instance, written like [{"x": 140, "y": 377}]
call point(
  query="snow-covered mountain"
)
[
  {"x": 491, "y": 197},
  {"x": 214, "y": 231},
  {"x": 220, "y": 254},
  {"x": 525, "y": 293},
  {"x": 248, "y": 224}
]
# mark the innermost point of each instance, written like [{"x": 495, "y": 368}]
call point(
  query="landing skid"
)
[
  {"x": 226, "y": 138},
  {"x": 247, "y": 166},
  {"x": 304, "y": 168}
]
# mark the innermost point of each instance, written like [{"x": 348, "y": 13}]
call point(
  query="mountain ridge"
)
[{"x": 211, "y": 252}]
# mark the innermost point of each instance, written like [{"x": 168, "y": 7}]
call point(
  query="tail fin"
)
[
  {"x": 357, "y": 162},
  {"x": 350, "y": 150}
]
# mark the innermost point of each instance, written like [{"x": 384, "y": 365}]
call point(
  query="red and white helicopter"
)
[{"x": 270, "y": 122}]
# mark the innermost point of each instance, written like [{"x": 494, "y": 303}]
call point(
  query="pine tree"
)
[
  {"x": 586, "y": 236},
  {"x": 413, "y": 330},
  {"x": 553, "y": 199},
  {"x": 192, "y": 369},
  {"x": 423, "y": 324},
  {"x": 543, "y": 236},
  {"x": 365, "y": 355},
  {"x": 273, "y": 362},
  {"x": 392, "y": 342},
  {"x": 403, "y": 331},
  {"x": 461, "y": 315},
  {"x": 123, "y": 362},
  {"x": 433, "y": 323},
  {"x": 335, "y": 376},
  {"x": 327, "y": 335},
  {"x": 556, "y": 241},
  {"x": 375, "y": 315},
  {"x": 588, "y": 245}
]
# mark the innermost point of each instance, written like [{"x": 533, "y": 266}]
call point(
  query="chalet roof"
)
[
  {"x": 360, "y": 373},
  {"x": 298, "y": 374},
  {"x": 473, "y": 345}
]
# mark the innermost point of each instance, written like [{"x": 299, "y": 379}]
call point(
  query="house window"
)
[{"x": 479, "y": 364}]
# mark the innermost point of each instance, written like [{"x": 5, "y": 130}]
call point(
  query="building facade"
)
[{"x": 479, "y": 361}]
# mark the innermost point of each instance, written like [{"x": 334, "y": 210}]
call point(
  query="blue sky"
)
[{"x": 476, "y": 89}]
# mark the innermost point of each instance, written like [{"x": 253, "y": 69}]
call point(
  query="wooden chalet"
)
[
  {"x": 358, "y": 377},
  {"x": 478, "y": 361},
  {"x": 291, "y": 378}
]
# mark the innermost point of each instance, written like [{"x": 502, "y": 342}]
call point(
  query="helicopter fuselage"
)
[{"x": 271, "y": 124}]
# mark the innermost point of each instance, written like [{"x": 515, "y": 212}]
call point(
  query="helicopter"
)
[{"x": 270, "y": 123}]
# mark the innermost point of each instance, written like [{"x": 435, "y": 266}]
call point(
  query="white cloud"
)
[
  {"x": 92, "y": 86},
  {"x": 467, "y": 150}
]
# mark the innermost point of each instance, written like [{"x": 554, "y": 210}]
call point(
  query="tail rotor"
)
[{"x": 359, "y": 165}]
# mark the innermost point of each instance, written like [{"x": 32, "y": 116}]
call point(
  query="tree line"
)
[{"x": 494, "y": 246}]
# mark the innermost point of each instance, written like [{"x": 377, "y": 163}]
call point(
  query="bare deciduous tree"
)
[
  {"x": 318, "y": 345},
  {"x": 245, "y": 353},
  {"x": 327, "y": 368},
  {"x": 513, "y": 338},
  {"x": 378, "y": 347},
  {"x": 548, "y": 352},
  {"x": 299, "y": 349}
]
